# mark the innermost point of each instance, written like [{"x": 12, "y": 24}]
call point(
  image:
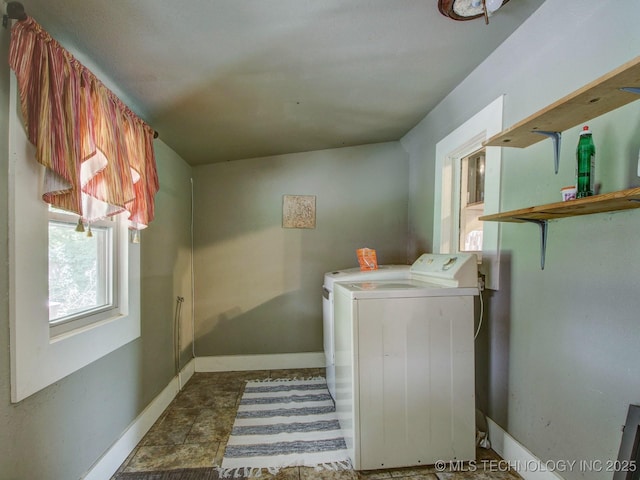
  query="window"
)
[
  {"x": 467, "y": 186},
  {"x": 43, "y": 352},
  {"x": 83, "y": 271},
  {"x": 471, "y": 202}
]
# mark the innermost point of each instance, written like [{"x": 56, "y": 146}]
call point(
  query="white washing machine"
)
[
  {"x": 383, "y": 272},
  {"x": 405, "y": 364}
]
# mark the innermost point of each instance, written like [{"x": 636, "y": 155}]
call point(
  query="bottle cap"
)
[{"x": 585, "y": 130}]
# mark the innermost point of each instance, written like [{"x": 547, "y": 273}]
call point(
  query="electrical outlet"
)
[{"x": 481, "y": 282}]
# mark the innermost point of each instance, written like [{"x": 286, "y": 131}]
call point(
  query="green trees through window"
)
[{"x": 79, "y": 270}]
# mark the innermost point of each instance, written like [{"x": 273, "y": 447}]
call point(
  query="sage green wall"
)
[
  {"x": 5, "y": 377},
  {"x": 258, "y": 285},
  {"x": 559, "y": 352},
  {"x": 166, "y": 273},
  {"x": 59, "y": 432}
]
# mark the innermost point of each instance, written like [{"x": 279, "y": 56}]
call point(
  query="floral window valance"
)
[{"x": 98, "y": 154}]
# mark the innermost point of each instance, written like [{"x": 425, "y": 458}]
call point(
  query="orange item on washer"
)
[{"x": 367, "y": 259}]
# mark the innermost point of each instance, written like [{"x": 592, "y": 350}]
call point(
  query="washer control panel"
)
[{"x": 452, "y": 269}]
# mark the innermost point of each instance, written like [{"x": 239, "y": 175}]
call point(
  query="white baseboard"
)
[
  {"x": 109, "y": 463},
  {"x": 277, "y": 361},
  {"x": 186, "y": 373},
  {"x": 518, "y": 457}
]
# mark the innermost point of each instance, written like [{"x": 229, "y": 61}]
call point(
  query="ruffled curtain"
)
[{"x": 98, "y": 154}]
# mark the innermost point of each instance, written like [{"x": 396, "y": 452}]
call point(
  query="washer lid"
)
[
  {"x": 355, "y": 274},
  {"x": 368, "y": 286},
  {"x": 401, "y": 289}
]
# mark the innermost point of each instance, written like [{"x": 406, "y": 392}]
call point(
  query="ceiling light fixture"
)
[{"x": 469, "y": 9}]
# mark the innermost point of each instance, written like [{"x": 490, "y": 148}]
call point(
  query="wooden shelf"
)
[
  {"x": 541, "y": 214},
  {"x": 594, "y": 99},
  {"x": 607, "y": 202},
  {"x": 591, "y": 101}
]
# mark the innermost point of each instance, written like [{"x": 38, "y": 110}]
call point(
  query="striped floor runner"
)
[{"x": 283, "y": 423}]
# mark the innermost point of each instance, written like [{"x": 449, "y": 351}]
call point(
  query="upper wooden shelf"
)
[
  {"x": 592, "y": 100},
  {"x": 606, "y": 202}
]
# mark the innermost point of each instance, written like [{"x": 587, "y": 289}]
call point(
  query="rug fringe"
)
[
  {"x": 334, "y": 466},
  {"x": 304, "y": 379},
  {"x": 253, "y": 472},
  {"x": 240, "y": 472}
]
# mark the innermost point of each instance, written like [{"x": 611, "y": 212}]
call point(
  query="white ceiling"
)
[{"x": 224, "y": 80}]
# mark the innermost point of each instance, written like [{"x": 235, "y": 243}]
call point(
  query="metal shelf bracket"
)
[
  {"x": 631, "y": 90},
  {"x": 556, "y": 137},
  {"x": 543, "y": 237}
]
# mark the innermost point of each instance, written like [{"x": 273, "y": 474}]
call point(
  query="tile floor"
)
[{"x": 192, "y": 433}]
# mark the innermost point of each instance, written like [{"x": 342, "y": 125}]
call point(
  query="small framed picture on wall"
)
[{"x": 299, "y": 211}]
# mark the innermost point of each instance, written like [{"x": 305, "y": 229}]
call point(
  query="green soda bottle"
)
[{"x": 586, "y": 163}]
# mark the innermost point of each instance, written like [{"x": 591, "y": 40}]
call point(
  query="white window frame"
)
[
  {"x": 39, "y": 359},
  {"x": 463, "y": 141},
  {"x": 110, "y": 285},
  {"x": 460, "y": 194}
]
